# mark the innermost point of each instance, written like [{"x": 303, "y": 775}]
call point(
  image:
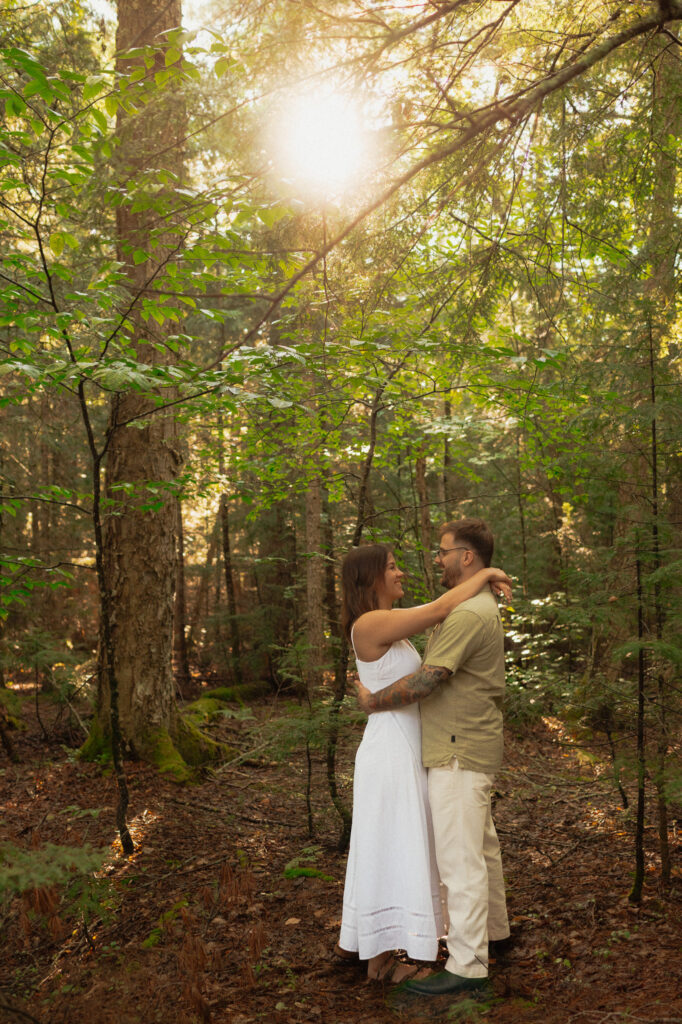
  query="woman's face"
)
[{"x": 389, "y": 586}]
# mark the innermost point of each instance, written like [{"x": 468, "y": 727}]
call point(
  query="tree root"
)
[{"x": 175, "y": 751}]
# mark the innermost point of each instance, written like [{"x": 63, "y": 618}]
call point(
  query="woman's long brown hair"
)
[{"x": 360, "y": 570}]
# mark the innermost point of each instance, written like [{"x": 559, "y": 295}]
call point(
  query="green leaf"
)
[
  {"x": 222, "y": 66},
  {"x": 161, "y": 77},
  {"x": 111, "y": 104},
  {"x": 93, "y": 87},
  {"x": 56, "y": 243},
  {"x": 181, "y": 36},
  {"x": 158, "y": 314},
  {"x": 14, "y": 106},
  {"x": 100, "y": 120}
]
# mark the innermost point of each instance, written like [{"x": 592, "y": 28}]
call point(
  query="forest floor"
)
[{"x": 212, "y": 919}]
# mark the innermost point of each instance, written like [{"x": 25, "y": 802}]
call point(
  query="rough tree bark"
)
[
  {"x": 199, "y": 611},
  {"x": 340, "y": 652},
  {"x": 315, "y": 587},
  {"x": 143, "y": 450},
  {"x": 234, "y": 632},
  {"x": 659, "y": 289},
  {"x": 180, "y": 652},
  {"x": 425, "y": 528}
]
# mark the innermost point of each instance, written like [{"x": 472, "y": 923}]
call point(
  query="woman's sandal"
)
[
  {"x": 348, "y": 956},
  {"x": 395, "y": 971}
]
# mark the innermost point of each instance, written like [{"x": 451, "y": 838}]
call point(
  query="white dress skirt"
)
[{"x": 391, "y": 898}]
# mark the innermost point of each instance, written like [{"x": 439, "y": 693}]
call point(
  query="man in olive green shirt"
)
[{"x": 460, "y": 688}]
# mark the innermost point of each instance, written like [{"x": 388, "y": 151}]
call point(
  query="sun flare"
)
[{"x": 321, "y": 145}]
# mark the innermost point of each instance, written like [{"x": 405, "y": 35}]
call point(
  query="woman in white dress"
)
[{"x": 391, "y": 897}]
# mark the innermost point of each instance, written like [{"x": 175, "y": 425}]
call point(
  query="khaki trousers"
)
[{"x": 469, "y": 864}]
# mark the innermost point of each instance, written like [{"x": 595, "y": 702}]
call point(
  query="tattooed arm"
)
[{"x": 404, "y": 691}]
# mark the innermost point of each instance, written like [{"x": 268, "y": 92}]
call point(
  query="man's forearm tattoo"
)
[{"x": 409, "y": 689}]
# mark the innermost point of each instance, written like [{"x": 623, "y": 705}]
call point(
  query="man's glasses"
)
[{"x": 442, "y": 552}]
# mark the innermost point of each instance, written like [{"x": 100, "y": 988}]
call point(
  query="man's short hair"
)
[{"x": 476, "y": 534}]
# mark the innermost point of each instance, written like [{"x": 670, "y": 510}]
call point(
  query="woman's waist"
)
[{"x": 406, "y": 719}]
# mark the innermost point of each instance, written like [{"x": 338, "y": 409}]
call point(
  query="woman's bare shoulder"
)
[{"x": 369, "y": 621}]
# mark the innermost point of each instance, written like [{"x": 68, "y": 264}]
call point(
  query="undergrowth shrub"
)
[{"x": 54, "y": 882}]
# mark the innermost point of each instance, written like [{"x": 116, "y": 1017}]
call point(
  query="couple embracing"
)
[{"x": 424, "y": 771}]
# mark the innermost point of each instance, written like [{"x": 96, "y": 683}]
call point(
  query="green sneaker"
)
[{"x": 444, "y": 983}]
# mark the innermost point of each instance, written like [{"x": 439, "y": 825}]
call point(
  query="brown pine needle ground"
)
[{"x": 203, "y": 924}]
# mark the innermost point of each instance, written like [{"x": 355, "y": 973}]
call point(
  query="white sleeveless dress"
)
[{"x": 391, "y": 898}]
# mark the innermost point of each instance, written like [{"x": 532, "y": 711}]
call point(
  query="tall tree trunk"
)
[
  {"x": 663, "y": 735},
  {"x": 521, "y": 505},
  {"x": 2, "y": 620},
  {"x": 638, "y": 883},
  {"x": 424, "y": 524},
  {"x": 143, "y": 450},
  {"x": 363, "y": 492},
  {"x": 659, "y": 289},
  {"x": 448, "y": 474},
  {"x": 364, "y": 501},
  {"x": 234, "y": 632},
  {"x": 280, "y": 614},
  {"x": 199, "y": 611},
  {"x": 340, "y": 651},
  {"x": 180, "y": 655},
  {"x": 315, "y": 642},
  {"x": 140, "y": 544}
]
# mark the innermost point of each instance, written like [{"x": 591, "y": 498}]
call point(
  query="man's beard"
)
[{"x": 451, "y": 577}]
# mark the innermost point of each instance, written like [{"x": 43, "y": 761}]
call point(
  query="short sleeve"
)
[{"x": 450, "y": 646}]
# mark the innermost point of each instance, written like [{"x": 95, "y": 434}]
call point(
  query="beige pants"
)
[{"x": 469, "y": 864}]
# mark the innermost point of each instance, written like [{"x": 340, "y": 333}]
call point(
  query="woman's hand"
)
[
  {"x": 500, "y": 583},
  {"x": 502, "y": 590},
  {"x": 363, "y": 695}
]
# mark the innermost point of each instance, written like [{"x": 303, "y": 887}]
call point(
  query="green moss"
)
[
  {"x": 239, "y": 694},
  {"x": 158, "y": 748},
  {"x": 203, "y": 710},
  {"x": 174, "y": 752},
  {"x": 307, "y": 873},
  {"x": 97, "y": 746},
  {"x": 195, "y": 747}
]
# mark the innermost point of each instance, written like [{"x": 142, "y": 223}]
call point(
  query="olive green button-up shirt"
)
[{"x": 463, "y": 716}]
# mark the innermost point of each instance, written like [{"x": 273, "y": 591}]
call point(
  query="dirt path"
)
[{"x": 227, "y": 911}]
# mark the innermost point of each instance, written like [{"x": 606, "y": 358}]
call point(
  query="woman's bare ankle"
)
[{"x": 376, "y": 964}]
